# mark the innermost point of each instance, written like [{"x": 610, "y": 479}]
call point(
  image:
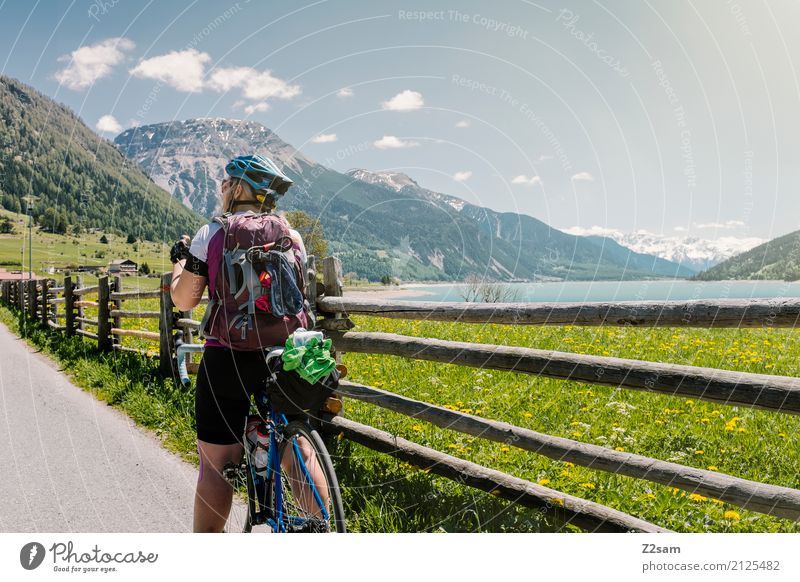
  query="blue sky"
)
[{"x": 674, "y": 117}]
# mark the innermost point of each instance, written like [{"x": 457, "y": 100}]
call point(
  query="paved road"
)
[{"x": 70, "y": 463}]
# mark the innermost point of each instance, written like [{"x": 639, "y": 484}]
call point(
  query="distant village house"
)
[{"x": 123, "y": 266}]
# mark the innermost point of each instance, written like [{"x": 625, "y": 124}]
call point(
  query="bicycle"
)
[{"x": 286, "y": 499}]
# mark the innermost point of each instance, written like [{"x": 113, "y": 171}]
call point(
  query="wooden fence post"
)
[
  {"x": 103, "y": 321},
  {"x": 44, "y": 302},
  {"x": 69, "y": 306},
  {"x": 165, "y": 327},
  {"x": 311, "y": 283},
  {"x": 79, "y": 285},
  {"x": 117, "y": 320},
  {"x": 32, "y": 297},
  {"x": 21, "y": 295}
]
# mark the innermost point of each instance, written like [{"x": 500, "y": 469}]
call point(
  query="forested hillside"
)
[
  {"x": 776, "y": 259},
  {"x": 76, "y": 180}
]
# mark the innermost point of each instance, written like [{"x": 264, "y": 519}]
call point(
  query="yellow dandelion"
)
[
  {"x": 705, "y": 420},
  {"x": 527, "y": 415},
  {"x": 700, "y": 452},
  {"x": 544, "y": 481},
  {"x": 712, "y": 468},
  {"x": 568, "y": 464},
  {"x": 417, "y": 427},
  {"x": 564, "y": 473},
  {"x": 690, "y": 402},
  {"x": 586, "y": 485},
  {"x": 716, "y": 501},
  {"x": 340, "y": 436},
  {"x": 742, "y": 430},
  {"x": 452, "y": 446},
  {"x": 495, "y": 492},
  {"x": 557, "y": 501},
  {"x": 734, "y": 515},
  {"x": 697, "y": 497},
  {"x": 620, "y": 449},
  {"x": 649, "y": 496},
  {"x": 782, "y": 435},
  {"x": 504, "y": 449}
]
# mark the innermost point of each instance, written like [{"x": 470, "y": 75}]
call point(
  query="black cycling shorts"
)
[{"x": 225, "y": 381}]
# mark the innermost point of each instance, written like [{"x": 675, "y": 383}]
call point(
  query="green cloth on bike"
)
[{"x": 311, "y": 361}]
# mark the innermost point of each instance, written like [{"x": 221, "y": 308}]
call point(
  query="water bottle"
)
[
  {"x": 251, "y": 436},
  {"x": 261, "y": 451}
]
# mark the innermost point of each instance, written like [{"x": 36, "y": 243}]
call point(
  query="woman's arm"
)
[{"x": 186, "y": 288}]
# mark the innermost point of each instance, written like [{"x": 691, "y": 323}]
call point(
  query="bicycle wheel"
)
[
  {"x": 312, "y": 501},
  {"x": 239, "y": 519}
]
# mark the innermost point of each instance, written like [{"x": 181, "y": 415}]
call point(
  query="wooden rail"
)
[
  {"x": 702, "y": 313},
  {"x": 770, "y": 499},
  {"x": 150, "y": 335},
  {"x": 565, "y": 508},
  {"x": 135, "y": 314},
  {"x": 776, "y": 393},
  {"x": 136, "y": 295},
  {"x": 86, "y": 290}
]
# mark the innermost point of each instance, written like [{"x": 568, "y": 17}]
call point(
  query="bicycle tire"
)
[
  {"x": 295, "y": 495},
  {"x": 239, "y": 518}
]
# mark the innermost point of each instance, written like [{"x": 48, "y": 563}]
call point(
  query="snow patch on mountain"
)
[
  {"x": 695, "y": 252},
  {"x": 394, "y": 180}
]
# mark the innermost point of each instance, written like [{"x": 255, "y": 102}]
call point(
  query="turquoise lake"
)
[{"x": 660, "y": 290}]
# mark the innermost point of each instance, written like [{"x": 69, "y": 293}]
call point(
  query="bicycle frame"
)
[{"x": 273, "y": 472}]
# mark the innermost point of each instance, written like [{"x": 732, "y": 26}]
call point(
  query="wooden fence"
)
[{"x": 62, "y": 308}]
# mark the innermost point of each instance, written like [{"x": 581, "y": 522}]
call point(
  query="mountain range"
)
[
  {"x": 691, "y": 251},
  {"x": 383, "y": 223}
]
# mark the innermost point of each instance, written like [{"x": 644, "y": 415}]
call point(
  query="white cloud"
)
[
  {"x": 463, "y": 123},
  {"x": 522, "y": 179},
  {"x": 405, "y": 101},
  {"x": 679, "y": 229},
  {"x": 583, "y": 177},
  {"x": 462, "y": 176},
  {"x": 255, "y": 85},
  {"x": 391, "y": 142},
  {"x": 90, "y": 63},
  {"x": 324, "y": 138},
  {"x": 344, "y": 92},
  {"x": 108, "y": 123},
  {"x": 182, "y": 70},
  {"x": 262, "y": 106}
]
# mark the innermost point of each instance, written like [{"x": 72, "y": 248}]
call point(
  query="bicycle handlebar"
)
[{"x": 181, "y": 349}]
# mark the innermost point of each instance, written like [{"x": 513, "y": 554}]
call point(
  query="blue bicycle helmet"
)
[{"x": 261, "y": 173}]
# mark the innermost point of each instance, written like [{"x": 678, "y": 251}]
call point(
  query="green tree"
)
[
  {"x": 311, "y": 231},
  {"x": 52, "y": 221},
  {"x": 104, "y": 239},
  {"x": 6, "y": 226},
  {"x": 131, "y": 239},
  {"x": 144, "y": 269}
]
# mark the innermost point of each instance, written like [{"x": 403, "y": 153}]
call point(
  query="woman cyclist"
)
[{"x": 226, "y": 377}]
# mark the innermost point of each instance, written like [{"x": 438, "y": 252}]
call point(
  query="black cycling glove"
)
[{"x": 180, "y": 250}]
